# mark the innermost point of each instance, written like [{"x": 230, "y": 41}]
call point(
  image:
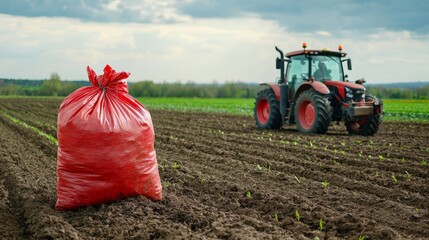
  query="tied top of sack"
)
[{"x": 109, "y": 80}]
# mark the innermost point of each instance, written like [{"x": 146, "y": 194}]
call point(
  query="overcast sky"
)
[{"x": 208, "y": 40}]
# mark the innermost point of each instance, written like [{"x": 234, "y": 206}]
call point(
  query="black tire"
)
[
  {"x": 366, "y": 125},
  {"x": 313, "y": 112},
  {"x": 267, "y": 110}
]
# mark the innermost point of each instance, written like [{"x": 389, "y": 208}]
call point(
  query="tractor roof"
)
[{"x": 316, "y": 52}]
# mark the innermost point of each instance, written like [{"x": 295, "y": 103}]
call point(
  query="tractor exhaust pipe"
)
[{"x": 280, "y": 64}]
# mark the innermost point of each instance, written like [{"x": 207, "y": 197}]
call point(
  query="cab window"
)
[
  {"x": 326, "y": 68},
  {"x": 297, "y": 72}
]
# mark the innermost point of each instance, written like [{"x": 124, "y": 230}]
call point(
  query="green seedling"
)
[
  {"x": 320, "y": 224},
  {"x": 361, "y": 238},
  {"x": 176, "y": 165},
  {"x": 249, "y": 195},
  {"x": 298, "y": 217},
  {"x": 276, "y": 217},
  {"x": 165, "y": 185},
  {"x": 408, "y": 175},
  {"x": 381, "y": 157},
  {"x": 161, "y": 167},
  {"x": 424, "y": 162},
  {"x": 325, "y": 184},
  {"x": 394, "y": 179},
  {"x": 297, "y": 179},
  {"x": 202, "y": 180}
]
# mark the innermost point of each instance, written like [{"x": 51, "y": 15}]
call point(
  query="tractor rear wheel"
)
[
  {"x": 313, "y": 112},
  {"x": 365, "y": 125},
  {"x": 267, "y": 110}
]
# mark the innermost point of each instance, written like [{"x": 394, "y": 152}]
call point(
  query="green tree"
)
[
  {"x": 10, "y": 89},
  {"x": 68, "y": 87},
  {"x": 52, "y": 86}
]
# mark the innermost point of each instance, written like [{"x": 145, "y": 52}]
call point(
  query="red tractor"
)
[{"x": 313, "y": 92}]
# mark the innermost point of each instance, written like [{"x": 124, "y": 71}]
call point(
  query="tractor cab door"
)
[{"x": 296, "y": 73}]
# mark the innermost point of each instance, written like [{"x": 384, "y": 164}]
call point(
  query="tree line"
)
[
  {"x": 400, "y": 93},
  {"x": 55, "y": 87}
]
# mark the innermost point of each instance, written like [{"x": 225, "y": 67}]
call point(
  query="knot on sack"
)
[
  {"x": 109, "y": 78},
  {"x": 100, "y": 86}
]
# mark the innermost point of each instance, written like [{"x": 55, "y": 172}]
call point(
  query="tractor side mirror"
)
[
  {"x": 349, "y": 64},
  {"x": 360, "y": 81},
  {"x": 279, "y": 64}
]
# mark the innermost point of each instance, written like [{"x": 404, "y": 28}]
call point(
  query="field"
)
[
  {"x": 395, "y": 109},
  {"x": 224, "y": 179}
]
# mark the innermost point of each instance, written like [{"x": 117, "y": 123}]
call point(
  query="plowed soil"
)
[{"x": 224, "y": 179}]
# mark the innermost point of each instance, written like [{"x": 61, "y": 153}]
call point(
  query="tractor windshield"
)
[
  {"x": 323, "y": 68},
  {"x": 326, "y": 68}
]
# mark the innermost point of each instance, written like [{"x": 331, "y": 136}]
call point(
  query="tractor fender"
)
[
  {"x": 317, "y": 86},
  {"x": 275, "y": 87}
]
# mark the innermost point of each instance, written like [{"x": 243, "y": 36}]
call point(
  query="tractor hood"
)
[
  {"x": 347, "y": 90},
  {"x": 340, "y": 84}
]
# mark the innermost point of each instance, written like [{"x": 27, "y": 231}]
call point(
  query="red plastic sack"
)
[{"x": 105, "y": 145}]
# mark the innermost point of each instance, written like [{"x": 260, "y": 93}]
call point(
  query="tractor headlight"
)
[{"x": 349, "y": 93}]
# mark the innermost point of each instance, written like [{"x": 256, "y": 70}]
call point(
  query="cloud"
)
[
  {"x": 204, "y": 40},
  {"x": 239, "y": 49},
  {"x": 323, "y": 33},
  {"x": 144, "y": 11},
  {"x": 333, "y": 15}
]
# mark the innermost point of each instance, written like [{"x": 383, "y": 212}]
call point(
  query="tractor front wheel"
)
[
  {"x": 313, "y": 112},
  {"x": 365, "y": 125},
  {"x": 267, "y": 110}
]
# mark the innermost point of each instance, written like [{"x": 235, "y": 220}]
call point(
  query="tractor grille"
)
[{"x": 356, "y": 95}]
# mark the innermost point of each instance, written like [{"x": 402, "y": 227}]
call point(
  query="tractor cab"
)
[
  {"x": 314, "y": 65},
  {"x": 302, "y": 68}
]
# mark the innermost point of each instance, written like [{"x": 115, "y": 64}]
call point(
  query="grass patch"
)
[
  {"x": 240, "y": 106},
  {"x": 395, "y": 109},
  {"x": 36, "y": 130},
  {"x": 406, "y": 110}
]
